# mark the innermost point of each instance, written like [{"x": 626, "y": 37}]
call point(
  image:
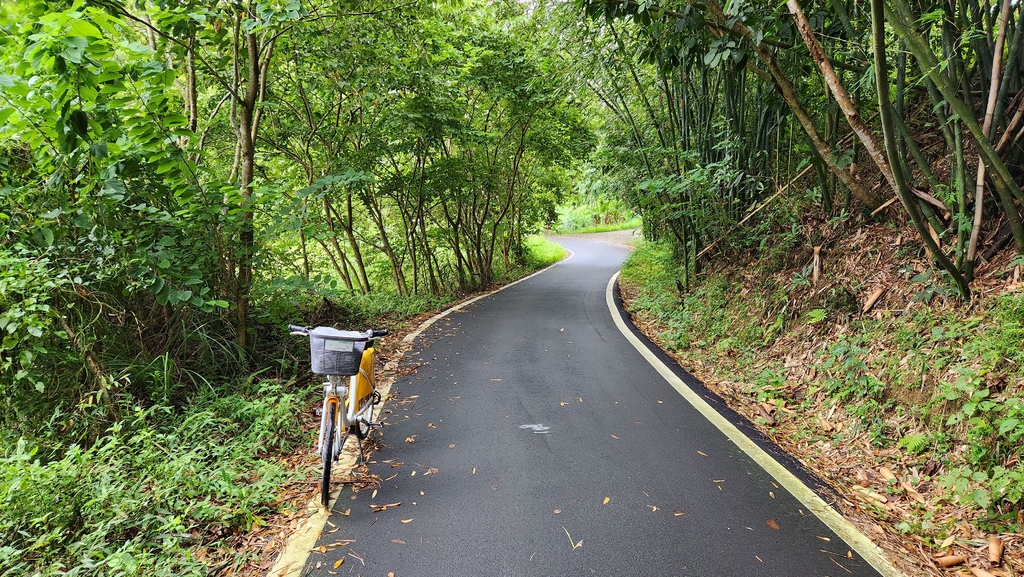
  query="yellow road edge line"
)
[
  {"x": 300, "y": 544},
  {"x": 853, "y": 537}
]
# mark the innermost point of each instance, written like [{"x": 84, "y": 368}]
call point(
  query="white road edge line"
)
[
  {"x": 412, "y": 336},
  {"x": 292, "y": 558},
  {"x": 822, "y": 510}
]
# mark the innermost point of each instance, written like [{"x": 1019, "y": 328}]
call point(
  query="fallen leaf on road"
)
[
  {"x": 339, "y": 562},
  {"x": 773, "y": 524},
  {"x": 398, "y": 542},
  {"x": 494, "y": 487},
  {"x": 824, "y": 538},
  {"x": 653, "y": 508},
  {"x": 678, "y": 512},
  {"x": 431, "y": 426},
  {"x": 702, "y": 453},
  {"x": 406, "y": 521},
  {"x": 606, "y": 500},
  {"x": 411, "y": 439},
  {"x": 615, "y": 436},
  {"x": 561, "y": 403},
  {"x": 452, "y": 446},
  {"x": 558, "y": 511},
  {"x": 474, "y": 470}
]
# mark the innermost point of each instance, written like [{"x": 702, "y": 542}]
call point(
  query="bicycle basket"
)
[{"x": 334, "y": 352}]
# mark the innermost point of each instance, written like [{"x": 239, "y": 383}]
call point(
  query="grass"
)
[
  {"x": 541, "y": 252},
  {"x": 624, "y": 225},
  {"x": 159, "y": 483}
]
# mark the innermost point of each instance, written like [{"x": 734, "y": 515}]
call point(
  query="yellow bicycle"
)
[{"x": 348, "y": 407}]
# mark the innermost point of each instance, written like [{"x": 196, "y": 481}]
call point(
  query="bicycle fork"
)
[{"x": 334, "y": 392}]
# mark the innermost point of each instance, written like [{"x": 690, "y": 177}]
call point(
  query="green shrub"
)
[{"x": 151, "y": 488}]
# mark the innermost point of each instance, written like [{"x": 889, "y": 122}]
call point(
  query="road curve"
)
[{"x": 533, "y": 440}]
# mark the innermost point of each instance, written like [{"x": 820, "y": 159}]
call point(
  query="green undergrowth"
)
[
  {"x": 611, "y": 227},
  {"x": 542, "y": 252},
  {"x": 938, "y": 382},
  {"x": 598, "y": 214},
  {"x": 157, "y": 485}
]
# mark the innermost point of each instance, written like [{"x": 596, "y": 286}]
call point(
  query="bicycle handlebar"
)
[{"x": 371, "y": 334}]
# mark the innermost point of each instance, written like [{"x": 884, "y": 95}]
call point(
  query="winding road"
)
[{"x": 535, "y": 439}]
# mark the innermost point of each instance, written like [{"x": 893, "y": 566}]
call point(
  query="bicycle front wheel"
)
[{"x": 328, "y": 454}]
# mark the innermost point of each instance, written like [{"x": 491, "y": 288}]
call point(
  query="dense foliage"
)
[{"x": 179, "y": 180}]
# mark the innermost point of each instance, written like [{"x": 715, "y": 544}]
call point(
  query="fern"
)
[{"x": 915, "y": 443}]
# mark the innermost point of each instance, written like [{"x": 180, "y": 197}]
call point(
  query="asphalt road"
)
[{"x": 533, "y": 440}]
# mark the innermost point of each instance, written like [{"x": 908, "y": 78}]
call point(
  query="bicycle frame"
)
[{"x": 356, "y": 398}]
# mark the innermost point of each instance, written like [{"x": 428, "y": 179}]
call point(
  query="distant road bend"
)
[{"x": 535, "y": 440}]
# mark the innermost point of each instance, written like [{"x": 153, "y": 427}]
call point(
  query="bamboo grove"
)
[{"x": 895, "y": 110}]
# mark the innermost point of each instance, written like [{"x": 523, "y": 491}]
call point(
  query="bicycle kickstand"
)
[{"x": 361, "y": 459}]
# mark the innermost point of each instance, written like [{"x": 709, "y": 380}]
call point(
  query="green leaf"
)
[
  {"x": 981, "y": 497},
  {"x": 43, "y": 237},
  {"x": 1007, "y": 425},
  {"x": 79, "y": 122},
  {"x": 74, "y": 48}
]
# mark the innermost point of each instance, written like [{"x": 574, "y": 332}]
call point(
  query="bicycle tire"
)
[{"x": 328, "y": 455}]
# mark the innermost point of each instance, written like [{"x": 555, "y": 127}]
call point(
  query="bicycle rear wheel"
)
[{"x": 328, "y": 454}]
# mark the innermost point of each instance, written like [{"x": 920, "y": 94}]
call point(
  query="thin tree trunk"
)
[
  {"x": 986, "y": 130},
  {"x": 889, "y": 134}
]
